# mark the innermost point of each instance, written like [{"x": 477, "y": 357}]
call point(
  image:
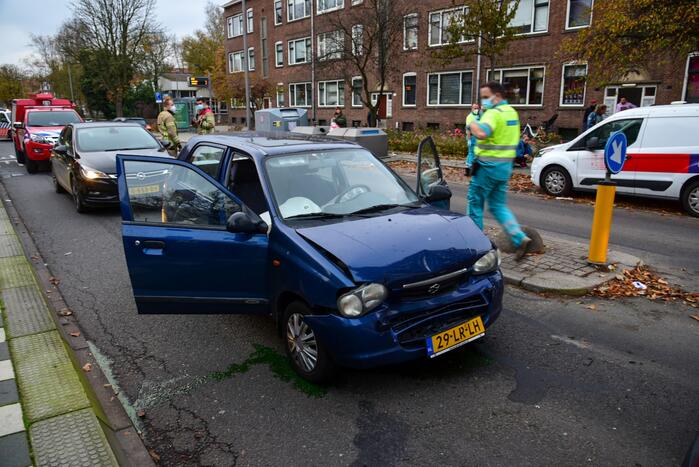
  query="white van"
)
[{"x": 662, "y": 157}]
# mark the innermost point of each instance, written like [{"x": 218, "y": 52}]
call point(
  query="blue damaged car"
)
[{"x": 357, "y": 268}]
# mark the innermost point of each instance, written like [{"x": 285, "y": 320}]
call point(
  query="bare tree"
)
[
  {"x": 117, "y": 30},
  {"x": 155, "y": 59},
  {"x": 363, "y": 41}
]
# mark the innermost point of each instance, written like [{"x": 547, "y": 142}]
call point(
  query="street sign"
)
[
  {"x": 158, "y": 98},
  {"x": 615, "y": 152},
  {"x": 199, "y": 81}
]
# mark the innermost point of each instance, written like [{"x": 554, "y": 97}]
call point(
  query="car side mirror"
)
[
  {"x": 17, "y": 125},
  {"x": 592, "y": 143},
  {"x": 438, "y": 193},
  {"x": 61, "y": 149},
  {"x": 242, "y": 222}
]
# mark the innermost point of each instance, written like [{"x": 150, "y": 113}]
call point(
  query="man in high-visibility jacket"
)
[{"x": 498, "y": 136}]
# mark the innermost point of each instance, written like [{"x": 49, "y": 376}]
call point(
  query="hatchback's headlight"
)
[
  {"x": 489, "y": 262},
  {"x": 361, "y": 300},
  {"x": 92, "y": 174}
]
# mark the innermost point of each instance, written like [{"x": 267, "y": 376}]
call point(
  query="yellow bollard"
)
[{"x": 602, "y": 223}]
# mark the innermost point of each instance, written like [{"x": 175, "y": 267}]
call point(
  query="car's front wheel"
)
[
  {"x": 307, "y": 355},
  {"x": 32, "y": 166},
  {"x": 78, "y": 198},
  {"x": 556, "y": 181},
  {"x": 690, "y": 198}
]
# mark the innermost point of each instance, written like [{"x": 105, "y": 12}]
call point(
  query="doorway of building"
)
[
  {"x": 385, "y": 104},
  {"x": 638, "y": 95}
]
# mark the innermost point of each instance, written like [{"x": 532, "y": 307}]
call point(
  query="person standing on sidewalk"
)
[
  {"x": 497, "y": 132},
  {"x": 474, "y": 116},
  {"x": 168, "y": 127},
  {"x": 205, "y": 121},
  {"x": 588, "y": 111}
]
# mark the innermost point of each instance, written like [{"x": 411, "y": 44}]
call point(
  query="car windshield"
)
[
  {"x": 335, "y": 183},
  {"x": 114, "y": 138},
  {"x": 52, "y": 118}
]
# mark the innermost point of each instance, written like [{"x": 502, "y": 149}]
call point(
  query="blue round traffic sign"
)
[{"x": 615, "y": 152}]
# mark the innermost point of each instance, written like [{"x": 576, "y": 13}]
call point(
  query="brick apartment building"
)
[{"x": 423, "y": 94}]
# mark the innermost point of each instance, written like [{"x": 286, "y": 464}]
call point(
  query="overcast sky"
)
[{"x": 20, "y": 19}]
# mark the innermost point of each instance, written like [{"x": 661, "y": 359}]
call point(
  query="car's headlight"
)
[
  {"x": 39, "y": 139},
  {"x": 361, "y": 300},
  {"x": 92, "y": 174},
  {"x": 489, "y": 262}
]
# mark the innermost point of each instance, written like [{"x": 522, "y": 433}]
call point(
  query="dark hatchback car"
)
[
  {"x": 83, "y": 162},
  {"x": 357, "y": 268}
]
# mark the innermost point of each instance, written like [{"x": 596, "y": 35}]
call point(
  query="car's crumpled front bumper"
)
[{"x": 397, "y": 332}]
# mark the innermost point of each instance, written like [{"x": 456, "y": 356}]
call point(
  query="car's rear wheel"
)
[
  {"x": 307, "y": 355},
  {"x": 32, "y": 166},
  {"x": 556, "y": 181},
  {"x": 690, "y": 198},
  {"x": 78, "y": 198}
]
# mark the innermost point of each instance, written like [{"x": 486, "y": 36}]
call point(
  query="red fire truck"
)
[{"x": 37, "y": 124}]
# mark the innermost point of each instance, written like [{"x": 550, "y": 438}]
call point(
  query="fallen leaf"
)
[
  {"x": 141, "y": 413},
  {"x": 591, "y": 307},
  {"x": 65, "y": 312},
  {"x": 87, "y": 367},
  {"x": 694, "y": 317},
  {"x": 75, "y": 334}
]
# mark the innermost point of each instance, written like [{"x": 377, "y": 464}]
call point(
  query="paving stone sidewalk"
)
[{"x": 46, "y": 417}]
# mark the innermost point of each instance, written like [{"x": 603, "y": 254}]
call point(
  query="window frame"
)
[
  {"x": 289, "y": 55},
  {"x": 307, "y": 11},
  {"x": 417, "y": 31},
  {"x": 340, "y": 4},
  {"x": 251, "y": 58},
  {"x": 529, "y": 69},
  {"x": 685, "y": 83},
  {"x": 533, "y": 18},
  {"x": 230, "y": 63},
  {"x": 281, "y": 12},
  {"x": 308, "y": 86},
  {"x": 322, "y": 96},
  {"x": 439, "y": 88},
  {"x": 329, "y": 55},
  {"x": 357, "y": 45},
  {"x": 575, "y": 28},
  {"x": 277, "y": 46},
  {"x": 441, "y": 26},
  {"x": 563, "y": 75},
  {"x": 412, "y": 73},
  {"x": 250, "y": 17},
  {"x": 352, "y": 93},
  {"x": 230, "y": 30}
]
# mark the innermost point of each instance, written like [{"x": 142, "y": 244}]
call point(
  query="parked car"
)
[
  {"x": 356, "y": 268},
  {"x": 662, "y": 157},
  {"x": 140, "y": 120},
  {"x": 83, "y": 162},
  {"x": 5, "y": 124}
]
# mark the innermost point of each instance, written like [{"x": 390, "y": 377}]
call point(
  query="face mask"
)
[
  {"x": 475, "y": 112},
  {"x": 487, "y": 103},
  {"x": 199, "y": 107},
  {"x": 173, "y": 109}
]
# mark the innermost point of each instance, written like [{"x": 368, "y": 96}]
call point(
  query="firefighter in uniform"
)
[
  {"x": 205, "y": 121},
  {"x": 168, "y": 128},
  {"x": 498, "y": 136}
]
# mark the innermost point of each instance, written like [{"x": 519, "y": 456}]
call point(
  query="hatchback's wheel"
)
[
  {"x": 31, "y": 165},
  {"x": 556, "y": 182},
  {"x": 307, "y": 355},
  {"x": 690, "y": 198},
  {"x": 78, "y": 198}
]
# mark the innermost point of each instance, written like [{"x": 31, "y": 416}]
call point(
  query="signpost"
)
[
  {"x": 614, "y": 158},
  {"x": 158, "y": 97}
]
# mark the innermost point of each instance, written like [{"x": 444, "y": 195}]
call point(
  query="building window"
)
[
  {"x": 298, "y": 9},
  {"x": 279, "y": 54},
  {"x": 410, "y": 24},
  {"x": 251, "y": 59},
  {"x": 357, "y": 39},
  {"x": 450, "y": 88},
  {"x": 300, "y": 94},
  {"x": 357, "y": 86},
  {"x": 691, "y": 87},
  {"x": 531, "y": 16},
  {"x": 357, "y": 2},
  {"x": 278, "y": 18},
  {"x": 573, "y": 85},
  {"x": 579, "y": 14},
  {"x": 251, "y": 21},
  {"x": 235, "y": 26},
  {"x": 525, "y": 86},
  {"x": 280, "y": 98},
  {"x": 409, "y": 91},
  {"x": 235, "y": 62},
  {"x": 299, "y": 51},
  {"x": 330, "y": 45},
  {"x": 331, "y": 93},
  {"x": 439, "y": 25},
  {"x": 329, "y": 5}
]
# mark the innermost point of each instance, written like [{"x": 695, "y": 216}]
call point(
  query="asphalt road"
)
[{"x": 553, "y": 383}]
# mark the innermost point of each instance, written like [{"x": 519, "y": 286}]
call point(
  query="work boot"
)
[{"x": 522, "y": 249}]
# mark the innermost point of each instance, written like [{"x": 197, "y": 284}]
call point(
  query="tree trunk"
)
[{"x": 119, "y": 104}]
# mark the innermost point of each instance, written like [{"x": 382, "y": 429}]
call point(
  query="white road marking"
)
[
  {"x": 11, "y": 419},
  {"x": 6, "y": 371}
]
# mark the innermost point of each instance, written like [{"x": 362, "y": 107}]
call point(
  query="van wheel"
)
[
  {"x": 556, "y": 181},
  {"x": 307, "y": 356},
  {"x": 31, "y": 165},
  {"x": 690, "y": 198}
]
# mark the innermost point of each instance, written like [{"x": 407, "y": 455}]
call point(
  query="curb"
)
[{"x": 101, "y": 406}]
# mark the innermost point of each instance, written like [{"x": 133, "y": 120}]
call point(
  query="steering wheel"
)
[{"x": 351, "y": 193}]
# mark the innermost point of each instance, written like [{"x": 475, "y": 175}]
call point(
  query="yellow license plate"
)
[
  {"x": 144, "y": 190},
  {"x": 455, "y": 337}
]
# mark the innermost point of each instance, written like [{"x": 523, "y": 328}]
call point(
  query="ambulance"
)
[{"x": 36, "y": 125}]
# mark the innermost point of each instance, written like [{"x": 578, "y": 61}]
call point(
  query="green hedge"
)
[{"x": 450, "y": 144}]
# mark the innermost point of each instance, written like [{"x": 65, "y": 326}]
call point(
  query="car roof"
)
[
  {"x": 260, "y": 144},
  {"x": 672, "y": 110},
  {"x": 104, "y": 124}
]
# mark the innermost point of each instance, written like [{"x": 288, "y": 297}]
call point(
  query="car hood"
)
[
  {"x": 105, "y": 161},
  {"x": 404, "y": 247},
  {"x": 50, "y": 131}
]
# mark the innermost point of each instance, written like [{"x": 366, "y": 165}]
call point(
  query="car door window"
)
[
  {"x": 164, "y": 193},
  {"x": 3, "y": 118},
  {"x": 66, "y": 138},
  {"x": 207, "y": 158},
  {"x": 630, "y": 127}
]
